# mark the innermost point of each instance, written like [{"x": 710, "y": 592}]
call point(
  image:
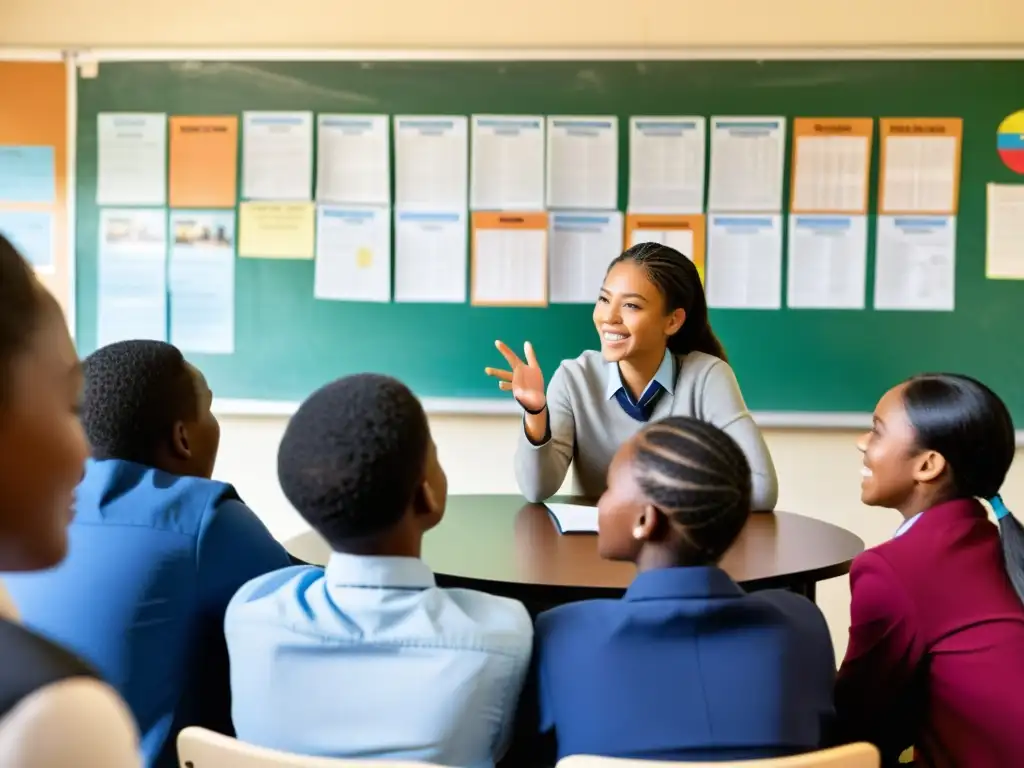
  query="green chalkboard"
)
[{"x": 288, "y": 343}]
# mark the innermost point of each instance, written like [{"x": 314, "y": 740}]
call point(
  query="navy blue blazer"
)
[{"x": 687, "y": 666}]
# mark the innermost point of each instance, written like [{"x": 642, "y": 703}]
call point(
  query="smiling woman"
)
[{"x": 659, "y": 357}]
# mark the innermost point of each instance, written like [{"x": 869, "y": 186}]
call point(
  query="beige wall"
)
[
  {"x": 528, "y": 23},
  {"x": 818, "y": 470}
]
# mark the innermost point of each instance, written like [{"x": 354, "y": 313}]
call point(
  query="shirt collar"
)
[
  {"x": 676, "y": 583},
  {"x": 906, "y": 525},
  {"x": 373, "y": 571},
  {"x": 665, "y": 376}
]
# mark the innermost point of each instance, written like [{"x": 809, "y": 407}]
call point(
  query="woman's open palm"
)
[{"x": 525, "y": 379}]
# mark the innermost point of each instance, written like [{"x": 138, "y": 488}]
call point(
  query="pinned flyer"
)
[
  {"x": 831, "y": 165},
  {"x": 920, "y": 166},
  {"x": 510, "y": 260},
  {"x": 684, "y": 233}
]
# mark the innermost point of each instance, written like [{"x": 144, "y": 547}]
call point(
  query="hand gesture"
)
[{"x": 524, "y": 380}]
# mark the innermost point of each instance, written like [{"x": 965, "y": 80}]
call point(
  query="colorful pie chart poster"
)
[{"x": 1010, "y": 142}]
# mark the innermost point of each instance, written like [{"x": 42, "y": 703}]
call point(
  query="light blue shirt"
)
[
  {"x": 665, "y": 376},
  {"x": 906, "y": 525},
  {"x": 368, "y": 658}
]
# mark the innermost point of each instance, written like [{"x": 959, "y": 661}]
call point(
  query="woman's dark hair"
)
[
  {"x": 698, "y": 477},
  {"x": 971, "y": 427},
  {"x": 679, "y": 282},
  {"x": 21, "y": 302}
]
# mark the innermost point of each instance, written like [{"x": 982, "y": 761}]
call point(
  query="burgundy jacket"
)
[{"x": 936, "y": 653}]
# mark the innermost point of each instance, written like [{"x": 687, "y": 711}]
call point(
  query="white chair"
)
[
  {"x": 850, "y": 756},
  {"x": 200, "y": 748}
]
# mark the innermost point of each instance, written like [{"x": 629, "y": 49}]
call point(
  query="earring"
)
[{"x": 638, "y": 532}]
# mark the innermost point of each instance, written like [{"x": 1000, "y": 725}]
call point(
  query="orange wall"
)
[{"x": 33, "y": 111}]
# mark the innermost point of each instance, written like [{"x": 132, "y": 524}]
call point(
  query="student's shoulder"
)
[
  {"x": 500, "y": 620},
  {"x": 272, "y": 592},
  {"x": 702, "y": 366},
  {"x": 575, "y": 617},
  {"x": 60, "y": 723},
  {"x": 794, "y": 610}
]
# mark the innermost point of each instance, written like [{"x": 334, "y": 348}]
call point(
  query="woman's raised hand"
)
[{"x": 524, "y": 379}]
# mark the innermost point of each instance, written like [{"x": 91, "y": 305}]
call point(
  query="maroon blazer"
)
[{"x": 936, "y": 653}]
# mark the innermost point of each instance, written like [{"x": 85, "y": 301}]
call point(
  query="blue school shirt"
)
[
  {"x": 686, "y": 667},
  {"x": 153, "y": 561},
  {"x": 369, "y": 659}
]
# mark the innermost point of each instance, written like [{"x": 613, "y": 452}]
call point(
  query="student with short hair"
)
[
  {"x": 686, "y": 666},
  {"x": 368, "y": 658},
  {"x": 936, "y": 653},
  {"x": 157, "y": 547},
  {"x": 54, "y": 709}
]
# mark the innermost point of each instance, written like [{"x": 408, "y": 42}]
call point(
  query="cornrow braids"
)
[{"x": 699, "y": 478}]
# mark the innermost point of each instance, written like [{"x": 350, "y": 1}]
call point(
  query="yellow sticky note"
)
[
  {"x": 276, "y": 230},
  {"x": 364, "y": 258}
]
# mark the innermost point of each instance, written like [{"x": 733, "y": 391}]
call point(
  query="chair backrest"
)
[
  {"x": 850, "y": 756},
  {"x": 200, "y": 748}
]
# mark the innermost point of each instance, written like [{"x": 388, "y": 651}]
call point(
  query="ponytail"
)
[
  {"x": 678, "y": 280},
  {"x": 1012, "y": 535}
]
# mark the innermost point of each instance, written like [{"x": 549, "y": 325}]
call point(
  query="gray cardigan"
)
[{"x": 587, "y": 426}]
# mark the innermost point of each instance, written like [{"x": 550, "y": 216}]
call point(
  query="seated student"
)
[
  {"x": 936, "y": 652},
  {"x": 368, "y": 658},
  {"x": 54, "y": 711},
  {"x": 686, "y": 666},
  {"x": 157, "y": 548}
]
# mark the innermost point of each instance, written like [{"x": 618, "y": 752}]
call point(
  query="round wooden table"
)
[{"x": 500, "y": 545}]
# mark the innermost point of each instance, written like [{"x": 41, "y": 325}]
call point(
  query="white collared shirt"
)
[
  {"x": 906, "y": 525},
  {"x": 665, "y": 376}
]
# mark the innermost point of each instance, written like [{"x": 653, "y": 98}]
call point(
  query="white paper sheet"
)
[
  {"x": 132, "y": 294},
  {"x": 431, "y": 159},
  {"x": 666, "y": 164},
  {"x": 831, "y": 173},
  {"x": 573, "y": 518},
  {"x": 747, "y": 160},
  {"x": 744, "y": 268},
  {"x": 915, "y": 263},
  {"x": 583, "y": 163},
  {"x": 510, "y": 266},
  {"x": 920, "y": 173},
  {"x": 680, "y": 239},
  {"x": 581, "y": 246},
  {"x": 507, "y": 173},
  {"x": 353, "y": 159},
  {"x": 430, "y": 256},
  {"x": 827, "y": 262},
  {"x": 202, "y": 281},
  {"x": 277, "y": 156},
  {"x": 353, "y": 253},
  {"x": 1005, "y": 232},
  {"x": 132, "y": 160}
]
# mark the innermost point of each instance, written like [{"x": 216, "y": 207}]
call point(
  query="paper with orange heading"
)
[
  {"x": 831, "y": 164},
  {"x": 685, "y": 233},
  {"x": 203, "y": 162},
  {"x": 920, "y": 166},
  {"x": 510, "y": 259}
]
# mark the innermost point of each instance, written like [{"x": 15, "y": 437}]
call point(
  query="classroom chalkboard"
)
[{"x": 288, "y": 343}]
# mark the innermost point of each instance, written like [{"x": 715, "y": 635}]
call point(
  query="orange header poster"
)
[
  {"x": 34, "y": 159},
  {"x": 684, "y": 233},
  {"x": 203, "y": 162},
  {"x": 510, "y": 260},
  {"x": 920, "y": 166},
  {"x": 831, "y": 165}
]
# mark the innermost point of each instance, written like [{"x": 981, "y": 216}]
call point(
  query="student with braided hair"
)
[{"x": 686, "y": 666}]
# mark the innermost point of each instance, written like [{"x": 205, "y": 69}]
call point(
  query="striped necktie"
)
[{"x": 643, "y": 408}]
